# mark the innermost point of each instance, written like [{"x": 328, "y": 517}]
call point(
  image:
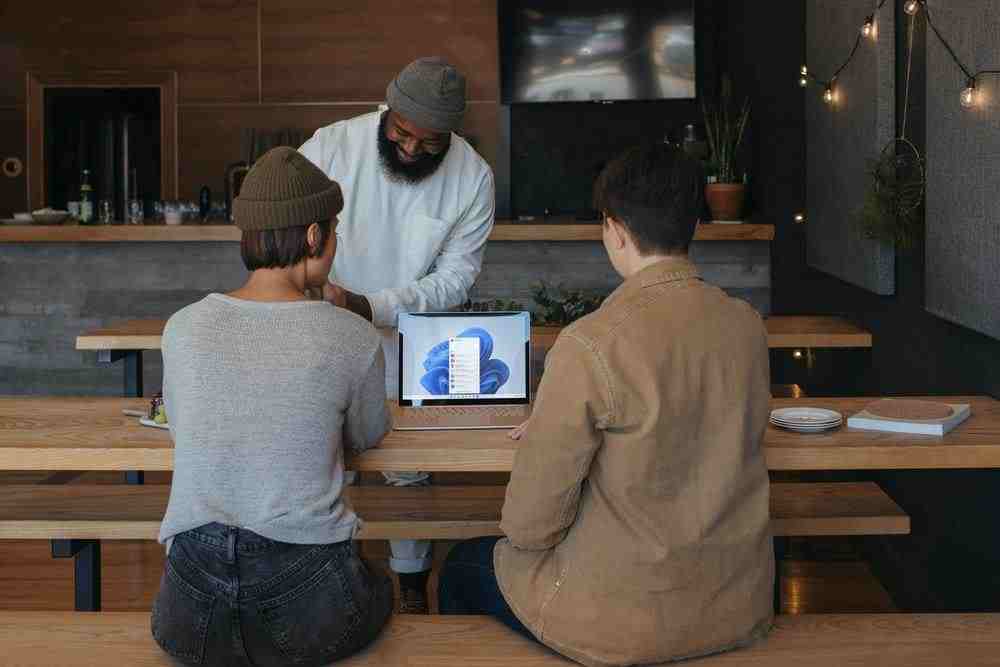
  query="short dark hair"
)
[
  {"x": 656, "y": 191},
  {"x": 278, "y": 248}
]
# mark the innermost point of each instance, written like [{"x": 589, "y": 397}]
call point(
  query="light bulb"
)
[
  {"x": 911, "y": 7},
  {"x": 868, "y": 29},
  {"x": 797, "y": 354},
  {"x": 800, "y": 217},
  {"x": 804, "y": 71},
  {"x": 828, "y": 95},
  {"x": 968, "y": 96},
  {"x": 803, "y": 81}
]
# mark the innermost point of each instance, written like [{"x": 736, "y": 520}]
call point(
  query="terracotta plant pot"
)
[{"x": 725, "y": 200}]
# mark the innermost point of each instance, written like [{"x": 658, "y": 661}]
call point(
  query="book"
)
[{"x": 900, "y": 415}]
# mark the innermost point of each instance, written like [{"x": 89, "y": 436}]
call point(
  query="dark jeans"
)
[
  {"x": 231, "y": 597},
  {"x": 468, "y": 584}
]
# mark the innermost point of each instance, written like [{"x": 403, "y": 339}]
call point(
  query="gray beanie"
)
[{"x": 430, "y": 93}]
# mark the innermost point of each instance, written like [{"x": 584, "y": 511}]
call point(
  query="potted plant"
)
[{"x": 724, "y": 128}]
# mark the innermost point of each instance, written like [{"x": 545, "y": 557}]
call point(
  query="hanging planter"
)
[{"x": 895, "y": 195}]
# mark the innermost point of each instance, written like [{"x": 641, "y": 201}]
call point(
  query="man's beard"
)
[{"x": 405, "y": 172}]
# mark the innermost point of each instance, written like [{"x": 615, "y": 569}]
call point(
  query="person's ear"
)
[
  {"x": 618, "y": 233},
  {"x": 313, "y": 235}
]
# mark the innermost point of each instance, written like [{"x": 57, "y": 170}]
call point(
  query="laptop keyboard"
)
[
  {"x": 462, "y": 415},
  {"x": 463, "y": 410}
]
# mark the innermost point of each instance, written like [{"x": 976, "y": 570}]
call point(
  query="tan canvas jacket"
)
[{"x": 637, "y": 512}]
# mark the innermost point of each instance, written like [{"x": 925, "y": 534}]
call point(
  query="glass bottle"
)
[{"x": 86, "y": 205}]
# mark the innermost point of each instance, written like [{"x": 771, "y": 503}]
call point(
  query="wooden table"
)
[
  {"x": 127, "y": 340},
  {"x": 92, "y": 434}
]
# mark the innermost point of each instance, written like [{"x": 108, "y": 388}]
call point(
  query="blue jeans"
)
[
  {"x": 468, "y": 584},
  {"x": 231, "y": 597}
]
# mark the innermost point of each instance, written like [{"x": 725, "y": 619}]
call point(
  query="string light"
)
[
  {"x": 968, "y": 96},
  {"x": 868, "y": 28}
]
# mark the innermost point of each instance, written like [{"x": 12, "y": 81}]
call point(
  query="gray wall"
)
[
  {"x": 53, "y": 292},
  {"x": 963, "y": 172},
  {"x": 842, "y": 139}
]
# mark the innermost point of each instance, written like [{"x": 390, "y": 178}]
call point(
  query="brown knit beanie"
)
[{"x": 284, "y": 189}]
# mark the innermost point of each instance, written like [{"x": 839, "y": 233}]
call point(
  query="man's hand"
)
[
  {"x": 335, "y": 294},
  {"x": 518, "y": 431},
  {"x": 342, "y": 298}
]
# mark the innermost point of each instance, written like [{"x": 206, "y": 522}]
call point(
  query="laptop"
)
[{"x": 463, "y": 370}]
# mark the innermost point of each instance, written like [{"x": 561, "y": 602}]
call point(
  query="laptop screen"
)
[{"x": 463, "y": 358}]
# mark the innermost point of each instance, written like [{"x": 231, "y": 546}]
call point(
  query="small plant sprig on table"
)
[{"x": 559, "y": 306}]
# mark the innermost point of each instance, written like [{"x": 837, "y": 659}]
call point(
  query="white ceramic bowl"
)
[{"x": 49, "y": 217}]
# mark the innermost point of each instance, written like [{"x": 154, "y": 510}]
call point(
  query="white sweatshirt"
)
[{"x": 406, "y": 247}]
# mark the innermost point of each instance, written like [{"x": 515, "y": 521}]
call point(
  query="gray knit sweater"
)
[{"x": 261, "y": 399}]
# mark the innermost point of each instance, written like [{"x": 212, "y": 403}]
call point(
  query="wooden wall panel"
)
[
  {"x": 211, "y": 43},
  {"x": 11, "y": 70},
  {"x": 210, "y": 138},
  {"x": 349, "y": 50},
  {"x": 203, "y": 161},
  {"x": 13, "y": 195}
]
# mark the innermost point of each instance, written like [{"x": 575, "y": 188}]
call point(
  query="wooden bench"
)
[
  {"x": 43, "y": 639},
  {"x": 77, "y": 517}
]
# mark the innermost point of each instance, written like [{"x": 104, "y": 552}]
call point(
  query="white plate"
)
[
  {"x": 807, "y": 429},
  {"x": 806, "y": 416},
  {"x": 807, "y": 425},
  {"x": 146, "y": 421}
]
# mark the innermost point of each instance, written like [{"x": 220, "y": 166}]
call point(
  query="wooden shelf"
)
[
  {"x": 820, "y": 331},
  {"x": 502, "y": 231}
]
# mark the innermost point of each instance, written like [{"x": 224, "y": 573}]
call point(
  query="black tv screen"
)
[{"x": 596, "y": 50}]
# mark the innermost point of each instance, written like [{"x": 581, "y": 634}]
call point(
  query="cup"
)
[
  {"x": 172, "y": 213},
  {"x": 135, "y": 212},
  {"x": 104, "y": 212}
]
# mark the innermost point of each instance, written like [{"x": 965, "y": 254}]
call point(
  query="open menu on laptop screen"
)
[{"x": 463, "y": 358}]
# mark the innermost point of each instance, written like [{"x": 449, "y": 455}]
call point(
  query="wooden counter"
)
[
  {"x": 502, "y": 231},
  {"x": 92, "y": 434}
]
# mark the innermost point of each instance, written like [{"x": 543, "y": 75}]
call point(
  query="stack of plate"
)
[{"x": 806, "y": 420}]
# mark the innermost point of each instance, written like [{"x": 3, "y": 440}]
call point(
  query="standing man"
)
[{"x": 419, "y": 204}]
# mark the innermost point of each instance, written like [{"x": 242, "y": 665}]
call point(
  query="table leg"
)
[
  {"x": 133, "y": 387},
  {"x": 780, "y": 549},
  {"x": 86, "y": 570},
  {"x": 133, "y": 372}
]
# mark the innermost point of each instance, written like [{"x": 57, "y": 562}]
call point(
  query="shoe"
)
[{"x": 413, "y": 601}]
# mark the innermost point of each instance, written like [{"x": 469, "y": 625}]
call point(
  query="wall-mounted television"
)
[{"x": 596, "y": 50}]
